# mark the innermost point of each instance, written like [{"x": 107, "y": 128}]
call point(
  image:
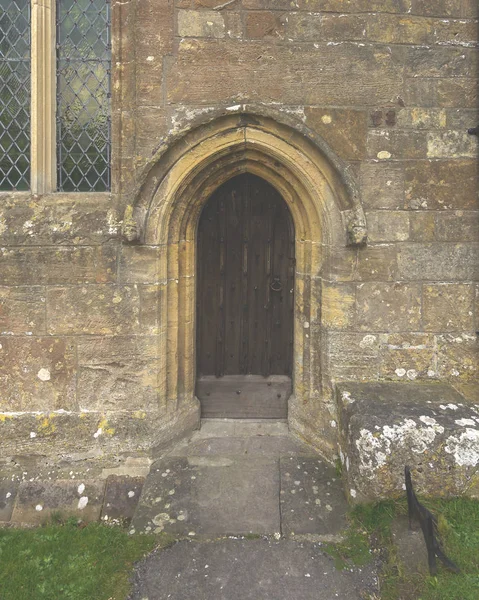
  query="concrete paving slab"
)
[
  {"x": 210, "y": 495},
  {"x": 312, "y": 498},
  {"x": 248, "y": 570}
]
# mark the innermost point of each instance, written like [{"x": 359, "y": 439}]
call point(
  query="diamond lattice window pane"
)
[
  {"x": 83, "y": 95},
  {"x": 14, "y": 94}
]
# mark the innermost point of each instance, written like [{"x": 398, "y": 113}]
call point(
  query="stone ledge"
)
[{"x": 385, "y": 426}]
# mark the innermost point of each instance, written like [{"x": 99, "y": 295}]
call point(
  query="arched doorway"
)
[{"x": 245, "y": 301}]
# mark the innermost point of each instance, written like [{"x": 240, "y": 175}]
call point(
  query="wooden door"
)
[{"x": 245, "y": 301}]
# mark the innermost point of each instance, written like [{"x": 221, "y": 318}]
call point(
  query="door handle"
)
[{"x": 276, "y": 285}]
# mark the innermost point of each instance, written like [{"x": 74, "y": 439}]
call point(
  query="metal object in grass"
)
[{"x": 428, "y": 524}]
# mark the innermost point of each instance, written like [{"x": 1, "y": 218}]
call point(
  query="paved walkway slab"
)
[{"x": 261, "y": 569}]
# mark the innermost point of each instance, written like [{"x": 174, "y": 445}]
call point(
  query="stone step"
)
[{"x": 211, "y": 494}]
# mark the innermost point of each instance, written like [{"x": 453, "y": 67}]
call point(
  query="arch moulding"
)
[{"x": 327, "y": 216}]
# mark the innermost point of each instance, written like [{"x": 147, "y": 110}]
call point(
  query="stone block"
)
[
  {"x": 386, "y": 426},
  {"x": 263, "y": 25},
  {"x": 121, "y": 498},
  {"x": 323, "y": 27},
  {"x": 452, "y": 144},
  {"x": 375, "y": 80},
  {"x": 360, "y": 6},
  {"x": 423, "y": 61},
  {"x": 38, "y": 501},
  {"x": 400, "y": 29},
  {"x": 22, "y": 310},
  {"x": 459, "y": 9},
  {"x": 352, "y": 356},
  {"x": 118, "y": 373},
  {"x": 338, "y": 305},
  {"x": 388, "y": 226},
  {"x": 448, "y": 307},
  {"x": 344, "y": 130},
  {"x": 456, "y": 33},
  {"x": 56, "y": 266},
  {"x": 438, "y": 261},
  {"x": 204, "y": 23},
  {"x": 461, "y": 118},
  {"x": 388, "y": 307},
  {"x": 8, "y": 494},
  {"x": 311, "y": 500},
  {"x": 438, "y": 184},
  {"x": 57, "y": 219},
  {"x": 93, "y": 310},
  {"x": 423, "y": 226},
  {"x": 385, "y": 144},
  {"x": 377, "y": 262},
  {"x": 382, "y": 185},
  {"x": 421, "y": 118},
  {"x": 407, "y": 357},
  {"x": 458, "y": 357},
  {"x": 140, "y": 264},
  {"x": 453, "y": 92},
  {"x": 37, "y": 373}
]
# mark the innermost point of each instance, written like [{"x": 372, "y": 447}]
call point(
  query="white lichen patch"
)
[
  {"x": 131, "y": 494},
  {"x": 374, "y": 449},
  {"x": 448, "y": 406},
  {"x": 82, "y": 502},
  {"x": 81, "y": 488},
  {"x": 38, "y": 507},
  {"x": 44, "y": 375},
  {"x": 466, "y": 422},
  {"x": 464, "y": 448}
]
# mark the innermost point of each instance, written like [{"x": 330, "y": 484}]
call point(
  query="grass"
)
[
  {"x": 369, "y": 534},
  {"x": 70, "y": 562}
]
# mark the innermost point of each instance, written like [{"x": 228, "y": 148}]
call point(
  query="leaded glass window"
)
[
  {"x": 15, "y": 94},
  {"x": 83, "y": 95}
]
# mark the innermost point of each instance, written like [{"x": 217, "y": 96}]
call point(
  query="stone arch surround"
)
[{"x": 325, "y": 207}]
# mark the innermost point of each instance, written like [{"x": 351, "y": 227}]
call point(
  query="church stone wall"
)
[{"x": 390, "y": 86}]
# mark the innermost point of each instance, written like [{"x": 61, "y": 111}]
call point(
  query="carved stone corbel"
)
[
  {"x": 356, "y": 228},
  {"x": 131, "y": 229}
]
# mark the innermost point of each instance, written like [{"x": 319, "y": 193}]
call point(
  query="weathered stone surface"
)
[
  {"x": 385, "y": 426},
  {"x": 117, "y": 373},
  {"x": 121, "y": 497},
  {"x": 205, "y": 23},
  {"x": 397, "y": 29},
  {"x": 458, "y": 357},
  {"x": 382, "y": 185},
  {"x": 423, "y": 61},
  {"x": 8, "y": 494},
  {"x": 324, "y": 28},
  {"x": 311, "y": 500},
  {"x": 451, "y": 144},
  {"x": 352, "y": 6},
  {"x": 352, "y": 356},
  {"x": 388, "y": 226},
  {"x": 140, "y": 264},
  {"x": 435, "y": 184},
  {"x": 264, "y": 24},
  {"x": 448, "y": 307},
  {"x": 37, "y": 373},
  {"x": 458, "y": 226},
  {"x": 377, "y": 262},
  {"x": 388, "y": 144},
  {"x": 461, "y": 9},
  {"x": 407, "y": 357},
  {"x": 444, "y": 92},
  {"x": 456, "y": 33},
  {"x": 344, "y": 130},
  {"x": 93, "y": 309},
  {"x": 53, "y": 266},
  {"x": 438, "y": 262},
  {"x": 284, "y": 74},
  {"x": 181, "y": 496},
  {"x": 37, "y": 501},
  {"x": 423, "y": 226},
  {"x": 70, "y": 219},
  {"x": 388, "y": 307},
  {"x": 22, "y": 310},
  {"x": 421, "y": 118},
  {"x": 338, "y": 305}
]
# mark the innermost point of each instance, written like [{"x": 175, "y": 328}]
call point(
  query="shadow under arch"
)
[{"x": 326, "y": 212}]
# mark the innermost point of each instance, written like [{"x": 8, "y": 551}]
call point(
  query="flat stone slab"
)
[
  {"x": 122, "y": 495},
  {"x": 210, "y": 495},
  {"x": 428, "y": 426},
  {"x": 8, "y": 493},
  {"x": 37, "y": 500},
  {"x": 248, "y": 569},
  {"x": 312, "y": 498},
  {"x": 255, "y": 446}
]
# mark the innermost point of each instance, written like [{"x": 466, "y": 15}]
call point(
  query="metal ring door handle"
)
[{"x": 276, "y": 285}]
